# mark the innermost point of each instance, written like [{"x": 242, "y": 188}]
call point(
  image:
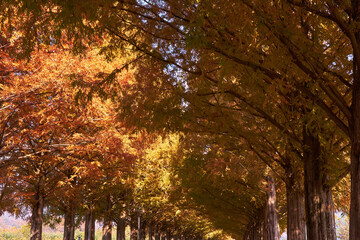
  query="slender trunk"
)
[
  {"x": 157, "y": 235},
  {"x": 107, "y": 228},
  {"x": 69, "y": 225},
  {"x": 330, "y": 215},
  {"x": 150, "y": 231},
  {"x": 143, "y": 229},
  {"x": 90, "y": 226},
  {"x": 271, "y": 226},
  {"x": 354, "y": 129},
  {"x": 168, "y": 235},
  {"x": 295, "y": 213},
  {"x": 120, "y": 231},
  {"x": 87, "y": 227},
  {"x": 133, "y": 228},
  {"x": 295, "y": 205},
  {"x": 92, "y": 229},
  {"x": 139, "y": 227},
  {"x": 319, "y": 208},
  {"x": 36, "y": 217},
  {"x": 355, "y": 168}
]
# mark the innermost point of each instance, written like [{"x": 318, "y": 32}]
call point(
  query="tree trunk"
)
[
  {"x": 120, "y": 231},
  {"x": 69, "y": 225},
  {"x": 320, "y": 220},
  {"x": 90, "y": 226},
  {"x": 168, "y": 235},
  {"x": 36, "y": 217},
  {"x": 295, "y": 213},
  {"x": 150, "y": 231},
  {"x": 271, "y": 225},
  {"x": 157, "y": 235},
  {"x": 133, "y": 228},
  {"x": 143, "y": 229},
  {"x": 330, "y": 215},
  {"x": 295, "y": 204},
  {"x": 354, "y": 129},
  {"x": 139, "y": 227},
  {"x": 355, "y": 168},
  {"x": 107, "y": 228}
]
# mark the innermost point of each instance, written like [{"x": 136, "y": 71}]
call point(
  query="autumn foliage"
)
[{"x": 185, "y": 119}]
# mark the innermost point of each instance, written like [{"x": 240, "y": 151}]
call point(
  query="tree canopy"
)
[{"x": 189, "y": 109}]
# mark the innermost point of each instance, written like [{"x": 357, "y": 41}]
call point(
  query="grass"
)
[{"x": 23, "y": 233}]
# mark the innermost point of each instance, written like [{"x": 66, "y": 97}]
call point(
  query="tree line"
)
[
  {"x": 257, "y": 91},
  {"x": 67, "y": 163}
]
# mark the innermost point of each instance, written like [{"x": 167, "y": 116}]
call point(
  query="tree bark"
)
[
  {"x": 271, "y": 225},
  {"x": 355, "y": 165},
  {"x": 107, "y": 228},
  {"x": 120, "y": 231},
  {"x": 90, "y": 226},
  {"x": 320, "y": 220},
  {"x": 295, "y": 203},
  {"x": 143, "y": 229},
  {"x": 139, "y": 227},
  {"x": 133, "y": 228},
  {"x": 295, "y": 212},
  {"x": 354, "y": 129},
  {"x": 157, "y": 235},
  {"x": 37, "y": 217},
  {"x": 150, "y": 231},
  {"x": 69, "y": 225}
]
